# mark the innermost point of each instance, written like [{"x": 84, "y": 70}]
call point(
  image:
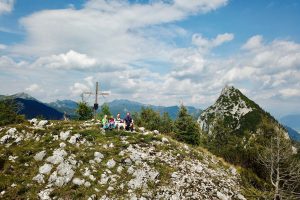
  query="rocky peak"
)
[
  {"x": 22, "y": 95},
  {"x": 231, "y": 105},
  {"x": 236, "y": 111}
]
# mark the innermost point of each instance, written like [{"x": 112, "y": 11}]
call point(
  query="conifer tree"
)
[
  {"x": 186, "y": 128},
  {"x": 84, "y": 111}
]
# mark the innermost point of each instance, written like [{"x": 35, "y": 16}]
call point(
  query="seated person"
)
[
  {"x": 129, "y": 122},
  {"x": 112, "y": 123},
  {"x": 105, "y": 122},
  {"x": 120, "y": 122}
]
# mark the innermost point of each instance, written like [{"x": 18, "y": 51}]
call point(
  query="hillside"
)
[{"x": 76, "y": 160}]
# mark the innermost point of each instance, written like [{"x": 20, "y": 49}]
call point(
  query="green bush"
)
[
  {"x": 8, "y": 112},
  {"x": 152, "y": 120}
]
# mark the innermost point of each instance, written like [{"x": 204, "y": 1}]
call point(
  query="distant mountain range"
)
[
  {"x": 123, "y": 106},
  {"x": 292, "y": 121},
  {"x": 294, "y": 135},
  {"x": 32, "y": 107}
]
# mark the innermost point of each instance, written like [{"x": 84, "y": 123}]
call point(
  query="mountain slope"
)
[
  {"x": 238, "y": 112},
  {"x": 31, "y": 107},
  {"x": 75, "y": 160},
  {"x": 62, "y": 106}
]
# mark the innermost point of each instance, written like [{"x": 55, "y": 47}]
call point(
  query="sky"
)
[{"x": 159, "y": 52}]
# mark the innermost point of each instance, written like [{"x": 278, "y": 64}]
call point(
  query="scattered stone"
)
[
  {"x": 87, "y": 184},
  {"x": 39, "y": 178},
  {"x": 19, "y": 139},
  {"x": 4, "y": 139},
  {"x": 222, "y": 196},
  {"x": 57, "y": 157},
  {"x": 12, "y": 158},
  {"x": 233, "y": 171},
  {"x": 119, "y": 169},
  {"x": 104, "y": 179},
  {"x": 122, "y": 153},
  {"x": 111, "y": 145},
  {"x": 42, "y": 123},
  {"x": 294, "y": 150},
  {"x": 45, "y": 169},
  {"x": 130, "y": 170},
  {"x": 40, "y": 156},
  {"x": 87, "y": 172},
  {"x": 111, "y": 163},
  {"x": 156, "y": 132},
  {"x": 78, "y": 181},
  {"x": 33, "y": 121},
  {"x": 92, "y": 197},
  {"x": 128, "y": 161},
  {"x": 98, "y": 154},
  {"x": 92, "y": 178},
  {"x": 11, "y": 131},
  {"x": 62, "y": 145},
  {"x": 74, "y": 138},
  {"x": 165, "y": 140},
  {"x": 45, "y": 194},
  {"x": 142, "y": 129},
  {"x": 64, "y": 135},
  {"x": 241, "y": 197},
  {"x": 110, "y": 188}
]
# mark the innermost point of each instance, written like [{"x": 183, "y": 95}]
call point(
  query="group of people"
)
[{"x": 112, "y": 123}]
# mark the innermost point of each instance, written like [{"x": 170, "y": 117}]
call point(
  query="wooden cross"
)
[{"x": 97, "y": 93}]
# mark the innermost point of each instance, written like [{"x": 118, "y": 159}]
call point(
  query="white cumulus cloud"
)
[
  {"x": 69, "y": 60},
  {"x": 207, "y": 44},
  {"x": 6, "y": 6},
  {"x": 34, "y": 88}
]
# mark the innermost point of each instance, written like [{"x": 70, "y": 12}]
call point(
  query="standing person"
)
[{"x": 129, "y": 122}]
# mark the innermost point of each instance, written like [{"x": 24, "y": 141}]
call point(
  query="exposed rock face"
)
[
  {"x": 115, "y": 166},
  {"x": 231, "y": 104}
]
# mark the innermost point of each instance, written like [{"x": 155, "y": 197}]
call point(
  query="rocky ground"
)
[{"x": 75, "y": 160}]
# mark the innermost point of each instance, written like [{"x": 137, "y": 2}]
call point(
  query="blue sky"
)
[{"x": 159, "y": 52}]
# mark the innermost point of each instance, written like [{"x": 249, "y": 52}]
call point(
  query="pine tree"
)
[
  {"x": 186, "y": 128},
  {"x": 166, "y": 123},
  {"x": 84, "y": 111}
]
